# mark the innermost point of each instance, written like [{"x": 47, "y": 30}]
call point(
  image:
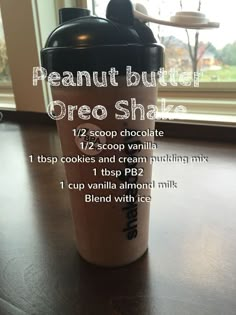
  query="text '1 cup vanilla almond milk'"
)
[{"x": 101, "y": 73}]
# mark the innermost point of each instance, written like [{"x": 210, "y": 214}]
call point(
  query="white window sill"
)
[
  {"x": 202, "y": 119},
  {"x": 205, "y": 111},
  {"x": 7, "y": 101}
]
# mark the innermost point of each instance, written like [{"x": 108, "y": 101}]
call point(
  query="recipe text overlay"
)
[{"x": 124, "y": 109}]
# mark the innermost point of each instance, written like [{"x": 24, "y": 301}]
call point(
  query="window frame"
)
[{"x": 223, "y": 91}]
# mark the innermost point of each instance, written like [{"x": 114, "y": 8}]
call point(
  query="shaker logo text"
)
[{"x": 131, "y": 208}]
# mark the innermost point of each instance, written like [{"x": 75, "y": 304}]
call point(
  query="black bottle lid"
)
[{"x": 91, "y": 43}]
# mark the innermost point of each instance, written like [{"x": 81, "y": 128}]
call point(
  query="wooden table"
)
[{"x": 190, "y": 268}]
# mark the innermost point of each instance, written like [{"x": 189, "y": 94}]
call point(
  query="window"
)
[
  {"x": 5, "y": 77},
  {"x": 20, "y": 20},
  {"x": 216, "y": 57},
  {"x": 6, "y": 94},
  {"x": 215, "y": 48},
  {"x": 215, "y": 99},
  {"x": 27, "y": 24}
]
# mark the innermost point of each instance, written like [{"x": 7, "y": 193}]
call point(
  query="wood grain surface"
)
[{"x": 190, "y": 268}]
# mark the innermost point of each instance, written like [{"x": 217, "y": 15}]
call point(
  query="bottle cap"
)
[{"x": 92, "y": 44}]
